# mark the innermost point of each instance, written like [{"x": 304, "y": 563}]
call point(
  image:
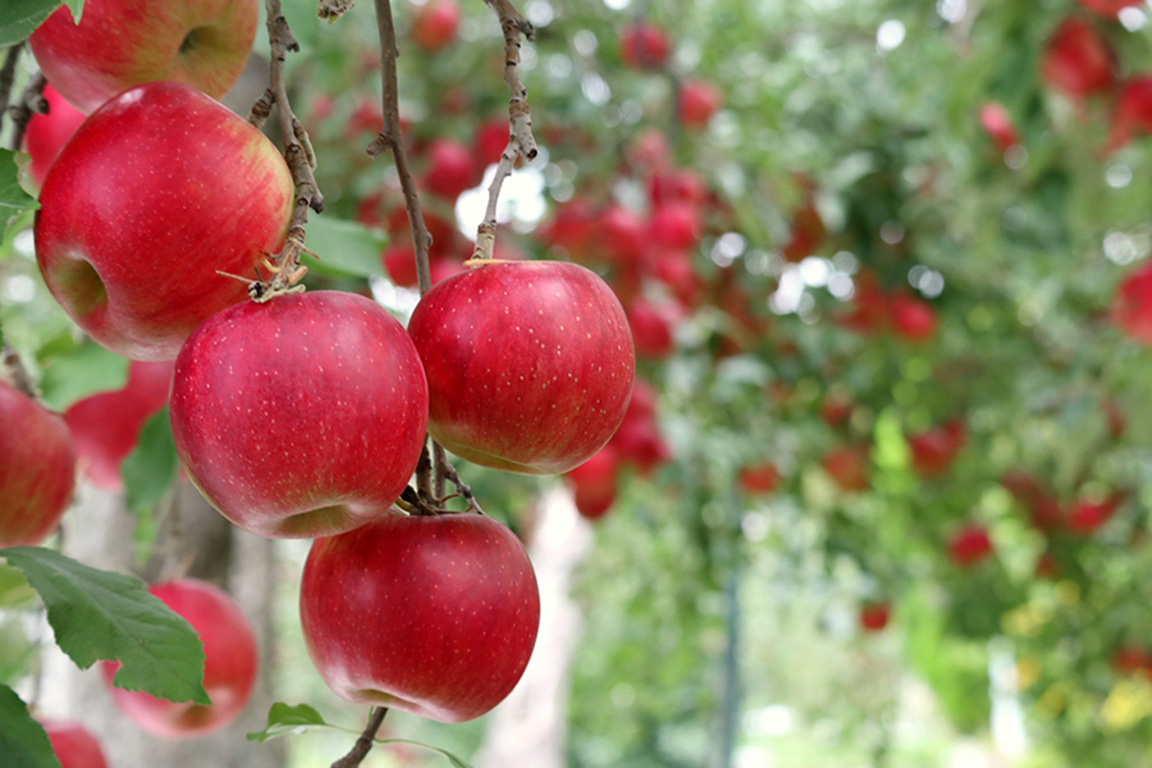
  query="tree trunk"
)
[{"x": 530, "y": 727}]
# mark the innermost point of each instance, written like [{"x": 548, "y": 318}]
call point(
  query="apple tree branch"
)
[
  {"x": 363, "y": 744},
  {"x": 521, "y": 141},
  {"x": 285, "y": 266}
]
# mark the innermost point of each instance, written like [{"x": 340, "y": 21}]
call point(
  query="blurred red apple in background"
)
[
  {"x": 37, "y": 469},
  {"x": 762, "y": 477},
  {"x": 1132, "y": 304},
  {"x": 47, "y": 134},
  {"x": 435, "y": 23},
  {"x": 230, "y": 663},
  {"x": 1077, "y": 60},
  {"x": 644, "y": 45},
  {"x": 997, "y": 123},
  {"x": 848, "y": 466},
  {"x": 1133, "y": 112},
  {"x": 699, "y": 100},
  {"x": 74, "y": 745},
  {"x": 970, "y": 545},
  {"x": 875, "y": 616}
]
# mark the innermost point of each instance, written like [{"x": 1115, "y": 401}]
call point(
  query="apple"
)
[
  {"x": 301, "y": 417},
  {"x": 37, "y": 469},
  {"x": 1087, "y": 516},
  {"x": 106, "y": 426},
  {"x": 530, "y": 364},
  {"x": 874, "y": 616},
  {"x": 119, "y": 44},
  {"x": 435, "y": 24},
  {"x": 969, "y": 545},
  {"x": 74, "y": 745},
  {"x": 625, "y": 235},
  {"x": 677, "y": 186},
  {"x": 1133, "y": 112},
  {"x": 758, "y": 478},
  {"x": 699, "y": 100},
  {"x": 47, "y": 134},
  {"x": 1132, "y": 305},
  {"x": 231, "y": 658},
  {"x": 435, "y": 615},
  {"x": 1130, "y": 660},
  {"x": 848, "y": 466},
  {"x": 491, "y": 140},
  {"x": 596, "y": 483},
  {"x": 836, "y": 410},
  {"x": 912, "y": 318},
  {"x": 644, "y": 45},
  {"x": 638, "y": 441},
  {"x": 997, "y": 123},
  {"x": 676, "y": 225},
  {"x": 653, "y": 325},
  {"x": 451, "y": 169},
  {"x": 574, "y": 229},
  {"x": 156, "y": 191},
  {"x": 1077, "y": 59},
  {"x": 934, "y": 450}
]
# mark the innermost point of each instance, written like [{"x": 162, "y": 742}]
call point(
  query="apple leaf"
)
[
  {"x": 284, "y": 719},
  {"x": 346, "y": 248},
  {"x": 14, "y": 587},
  {"x": 23, "y": 741},
  {"x": 15, "y": 202},
  {"x": 81, "y": 371},
  {"x": 19, "y": 18},
  {"x": 149, "y": 470},
  {"x": 97, "y": 615}
]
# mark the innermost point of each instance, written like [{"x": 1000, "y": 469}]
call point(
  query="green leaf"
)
[
  {"x": 14, "y": 586},
  {"x": 97, "y": 615},
  {"x": 19, "y": 18},
  {"x": 149, "y": 471},
  {"x": 15, "y": 202},
  {"x": 23, "y": 741},
  {"x": 82, "y": 371},
  {"x": 345, "y": 248},
  {"x": 77, "y": 8},
  {"x": 284, "y": 719}
]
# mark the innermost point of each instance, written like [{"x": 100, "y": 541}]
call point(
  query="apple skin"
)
[
  {"x": 47, "y": 134},
  {"x": 1077, "y": 59},
  {"x": 435, "y": 24},
  {"x": 37, "y": 469},
  {"x": 106, "y": 426},
  {"x": 74, "y": 745},
  {"x": 156, "y": 191},
  {"x": 644, "y": 46},
  {"x": 301, "y": 417},
  {"x": 435, "y": 615},
  {"x": 530, "y": 364},
  {"x": 231, "y": 659},
  {"x": 119, "y": 44}
]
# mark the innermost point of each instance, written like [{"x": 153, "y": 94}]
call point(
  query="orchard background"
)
[{"x": 888, "y": 504}]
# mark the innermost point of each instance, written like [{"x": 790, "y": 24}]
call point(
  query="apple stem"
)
[
  {"x": 363, "y": 744},
  {"x": 299, "y": 155},
  {"x": 521, "y": 142}
]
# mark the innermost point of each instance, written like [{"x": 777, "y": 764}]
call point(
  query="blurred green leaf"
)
[
  {"x": 345, "y": 248},
  {"x": 101, "y": 616},
  {"x": 151, "y": 468},
  {"x": 23, "y": 741},
  {"x": 81, "y": 371}
]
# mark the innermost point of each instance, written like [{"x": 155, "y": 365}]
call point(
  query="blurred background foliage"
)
[{"x": 875, "y": 271}]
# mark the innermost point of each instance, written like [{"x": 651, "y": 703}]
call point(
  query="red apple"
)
[
  {"x": 678, "y": 186},
  {"x": 106, "y": 426},
  {"x": 37, "y": 469},
  {"x": 435, "y": 615},
  {"x": 596, "y": 482},
  {"x": 874, "y": 616},
  {"x": 491, "y": 140},
  {"x": 912, "y": 318},
  {"x": 653, "y": 327},
  {"x": 934, "y": 450},
  {"x": 758, "y": 478},
  {"x": 644, "y": 45},
  {"x": 450, "y": 169},
  {"x": 230, "y": 663},
  {"x": 301, "y": 417},
  {"x": 625, "y": 235},
  {"x": 997, "y": 123},
  {"x": 1131, "y": 659},
  {"x": 970, "y": 545},
  {"x": 699, "y": 100},
  {"x": 848, "y": 467},
  {"x": 119, "y": 44},
  {"x": 155, "y": 192},
  {"x": 1088, "y": 516},
  {"x": 435, "y": 24},
  {"x": 1133, "y": 112},
  {"x": 676, "y": 225},
  {"x": 530, "y": 364},
  {"x": 836, "y": 410},
  {"x": 74, "y": 745},
  {"x": 1132, "y": 305},
  {"x": 47, "y": 134},
  {"x": 1077, "y": 59}
]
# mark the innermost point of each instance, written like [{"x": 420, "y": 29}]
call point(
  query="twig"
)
[
  {"x": 521, "y": 142},
  {"x": 363, "y": 744},
  {"x": 8, "y": 78},
  {"x": 31, "y": 102},
  {"x": 331, "y": 10},
  {"x": 464, "y": 489},
  {"x": 429, "y": 477},
  {"x": 285, "y": 266},
  {"x": 16, "y": 372}
]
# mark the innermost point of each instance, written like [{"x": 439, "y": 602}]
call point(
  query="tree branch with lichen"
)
[{"x": 521, "y": 142}]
